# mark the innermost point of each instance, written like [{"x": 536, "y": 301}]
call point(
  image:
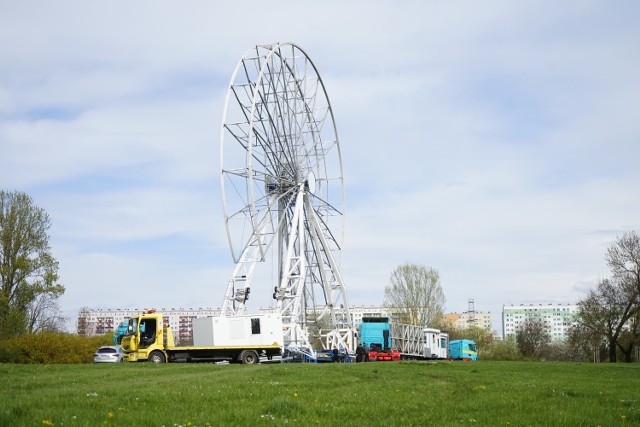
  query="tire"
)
[
  {"x": 249, "y": 357},
  {"x": 157, "y": 357}
]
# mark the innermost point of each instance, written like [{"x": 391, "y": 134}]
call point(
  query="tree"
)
[
  {"x": 623, "y": 258},
  {"x": 606, "y": 310},
  {"x": 28, "y": 271},
  {"x": 586, "y": 344},
  {"x": 628, "y": 339},
  {"x": 44, "y": 315},
  {"x": 609, "y": 313},
  {"x": 531, "y": 337},
  {"x": 414, "y": 295}
]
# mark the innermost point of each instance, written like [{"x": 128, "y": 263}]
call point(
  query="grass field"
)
[{"x": 364, "y": 394}]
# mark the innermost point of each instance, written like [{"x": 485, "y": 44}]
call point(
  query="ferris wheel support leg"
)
[
  {"x": 337, "y": 286},
  {"x": 239, "y": 285},
  {"x": 293, "y": 280}
]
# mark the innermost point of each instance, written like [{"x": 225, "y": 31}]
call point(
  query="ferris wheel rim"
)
[{"x": 274, "y": 49}]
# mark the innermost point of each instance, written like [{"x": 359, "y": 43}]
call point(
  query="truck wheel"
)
[
  {"x": 156, "y": 357},
  {"x": 249, "y": 357}
]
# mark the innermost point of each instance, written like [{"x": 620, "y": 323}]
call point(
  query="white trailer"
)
[
  {"x": 243, "y": 339},
  {"x": 417, "y": 342},
  {"x": 257, "y": 330}
]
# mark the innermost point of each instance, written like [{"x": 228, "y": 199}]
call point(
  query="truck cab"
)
[
  {"x": 145, "y": 335},
  {"x": 463, "y": 349}
]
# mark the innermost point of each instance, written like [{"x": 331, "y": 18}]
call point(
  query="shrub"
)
[
  {"x": 51, "y": 347},
  {"x": 9, "y": 354},
  {"x": 502, "y": 350}
]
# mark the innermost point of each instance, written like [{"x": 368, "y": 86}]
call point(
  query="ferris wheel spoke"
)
[
  {"x": 279, "y": 115},
  {"x": 267, "y": 143},
  {"x": 290, "y": 99}
]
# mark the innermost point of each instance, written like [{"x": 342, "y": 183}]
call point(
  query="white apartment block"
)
[{"x": 557, "y": 318}]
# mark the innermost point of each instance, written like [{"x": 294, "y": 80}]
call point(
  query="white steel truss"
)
[{"x": 283, "y": 195}]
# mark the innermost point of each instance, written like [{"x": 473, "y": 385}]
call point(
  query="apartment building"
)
[
  {"x": 466, "y": 320},
  {"x": 558, "y": 318}
]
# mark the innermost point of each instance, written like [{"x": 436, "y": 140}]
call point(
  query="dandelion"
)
[
  {"x": 623, "y": 418},
  {"x": 110, "y": 414},
  {"x": 295, "y": 394},
  {"x": 47, "y": 422}
]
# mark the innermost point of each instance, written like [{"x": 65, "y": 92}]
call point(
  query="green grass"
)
[{"x": 365, "y": 394}]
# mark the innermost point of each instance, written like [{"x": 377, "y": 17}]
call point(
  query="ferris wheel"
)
[{"x": 283, "y": 196}]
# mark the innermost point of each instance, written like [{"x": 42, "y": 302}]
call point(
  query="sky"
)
[{"x": 496, "y": 142}]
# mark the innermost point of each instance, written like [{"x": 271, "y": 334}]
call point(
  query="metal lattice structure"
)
[{"x": 283, "y": 195}]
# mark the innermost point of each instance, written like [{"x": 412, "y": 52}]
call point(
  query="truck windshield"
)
[{"x": 132, "y": 327}]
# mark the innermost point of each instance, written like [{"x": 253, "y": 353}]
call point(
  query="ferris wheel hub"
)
[{"x": 310, "y": 183}]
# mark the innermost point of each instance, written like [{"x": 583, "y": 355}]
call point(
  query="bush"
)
[
  {"x": 502, "y": 350},
  {"x": 51, "y": 347},
  {"x": 10, "y": 354}
]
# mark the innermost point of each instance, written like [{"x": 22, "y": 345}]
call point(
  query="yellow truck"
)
[{"x": 237, "y": 339}]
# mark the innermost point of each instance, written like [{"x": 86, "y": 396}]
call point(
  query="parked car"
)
[{"x": 109, "y": 354}]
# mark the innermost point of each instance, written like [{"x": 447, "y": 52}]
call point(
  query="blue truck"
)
[
  {"x": 120, "y": 332},
  {"x": 463, "y": 350},
  {"x": 384, "y": 340}
]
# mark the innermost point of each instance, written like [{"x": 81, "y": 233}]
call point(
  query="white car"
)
[{"x": 109, "y": 354}]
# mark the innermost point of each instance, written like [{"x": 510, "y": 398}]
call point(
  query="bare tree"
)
[
  {"x": 587, "y": 344},
  {"x": 44, "y": 315},
  {"x": 628, "y": 339},
  {"x": 531, "y": 337},
  {"x": 623, "y": 258},
  {"x": 606, "y": 310},
  {"x": 415, "y": 295}
]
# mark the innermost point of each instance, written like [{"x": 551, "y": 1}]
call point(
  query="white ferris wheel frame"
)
[{"x": 282, "y": 109}]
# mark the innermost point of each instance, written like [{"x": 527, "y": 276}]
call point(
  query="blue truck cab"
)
[{"x": 463, "y": 350}]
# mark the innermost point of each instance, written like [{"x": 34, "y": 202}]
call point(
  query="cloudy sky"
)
[{"x": 497, "y": 142}]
